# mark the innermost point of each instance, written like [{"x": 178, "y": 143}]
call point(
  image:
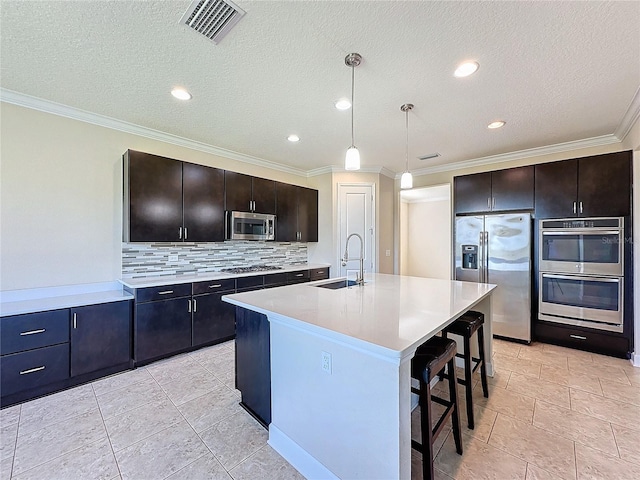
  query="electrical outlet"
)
[
  {"x": 173, "y": 258},
  {"x": 388, "y": 253},
  {"x": 326, "y": 362}
]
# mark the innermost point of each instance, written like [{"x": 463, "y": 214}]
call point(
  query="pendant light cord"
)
[
  {"x": 353, "y": 69},
  {"x": 407, "y": 125}
]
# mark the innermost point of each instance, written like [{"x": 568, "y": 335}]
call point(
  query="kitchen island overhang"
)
[{"x": 354, "y": 420}]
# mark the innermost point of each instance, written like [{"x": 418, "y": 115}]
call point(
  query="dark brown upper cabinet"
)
[
  {"x": 245, "y": 193},
  {"x": 594, "y": 186},
  {"x": 167, "y": 200},
  {"x": 296, "y": 214},
  {"x": 203, "y": 203},
  {"x": 501, "y": 190}
]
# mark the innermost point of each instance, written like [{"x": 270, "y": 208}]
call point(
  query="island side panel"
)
[{"x": 353, "y": 420}]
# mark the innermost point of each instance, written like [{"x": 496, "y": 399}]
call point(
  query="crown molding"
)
[
  {"x": 335, "y": 169},
  {"x": 46, "y": 106},
  {"x": 518, "y": 155},
  {"x": 630, "y": 117}
]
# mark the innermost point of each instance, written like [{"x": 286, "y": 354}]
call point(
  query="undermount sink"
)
[{"x": 337, "y": 285}]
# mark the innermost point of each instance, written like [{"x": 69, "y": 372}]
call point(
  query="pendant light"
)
[
  {"x": 352, "y": 159},
  {"x": 406, "y": 181}
]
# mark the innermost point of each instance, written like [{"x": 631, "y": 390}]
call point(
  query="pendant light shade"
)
[
  {"x": 352, "y": 159},
  {"x": 406, "y": 180}
]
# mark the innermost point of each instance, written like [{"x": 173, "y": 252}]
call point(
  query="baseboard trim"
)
[
  {"x": 293, "y": 453},
  {"x": 635, "y": 359}
]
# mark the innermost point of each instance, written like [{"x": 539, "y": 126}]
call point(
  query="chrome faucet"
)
[{"x": 345, "y": 259}]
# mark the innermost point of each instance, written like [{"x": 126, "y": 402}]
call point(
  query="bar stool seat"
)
[
  {"x": 430, "y": 360},
  {"x": 466, "y": 326}
]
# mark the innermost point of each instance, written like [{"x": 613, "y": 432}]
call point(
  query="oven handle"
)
[
  {"x": 582, "y": 232},
  {"x": 579, "y": 277}
]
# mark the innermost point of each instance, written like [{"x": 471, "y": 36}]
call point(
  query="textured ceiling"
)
[{"x": 555, "y": 71}]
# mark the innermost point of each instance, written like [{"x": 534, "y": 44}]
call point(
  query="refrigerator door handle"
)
[
  {"x": 485, "y": 260},
  {"x": 481, "y": 259}
]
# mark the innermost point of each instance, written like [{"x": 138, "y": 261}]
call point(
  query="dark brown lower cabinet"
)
[
  {"x": 213, "y": 319},
  {"x": 253, "y": 365},
  {"x": 100, "y": 337},
  {"x": 161, "y": 328}
]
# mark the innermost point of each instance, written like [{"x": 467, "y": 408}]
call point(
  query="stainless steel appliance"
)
[
  {"x": 582, "y": 272},
  {"x": 591, "y": 246},
  {"x": 250, "y": 226},
  {"x": 587, "y": 301},
  {"x": 497, "y": 249}
]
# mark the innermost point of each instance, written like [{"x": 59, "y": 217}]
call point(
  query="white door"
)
[{"x": 355, "y": 215}]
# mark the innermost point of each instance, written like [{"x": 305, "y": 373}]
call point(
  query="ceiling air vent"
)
[
  {"x": 212, "y": 18},
  {"x": 429, "y": 156}
]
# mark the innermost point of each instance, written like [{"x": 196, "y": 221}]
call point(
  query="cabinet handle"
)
[
  {"x": 299, "y": 275},
  {"x": 217, "y": 285},
  {"x": 579, "y": 337},
  {"x": 493, "y": 203},
  {"x": 574, "y": 207},
  {"x": 185, "y": 233},
  {"x": 180, "y": 233},
  {"x": 75, "y": 320},
  {"x": 489, "y": 202},
  {"x": 195, "y": 306},
  {"x": 32, "y": 332},
  {"x": 189, "y": 306},
  {"x": 32, "y": 370},
  {"x": 166, "y": 292},
  {"x": 580, "y": 207}
]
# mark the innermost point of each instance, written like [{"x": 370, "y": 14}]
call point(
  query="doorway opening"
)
[{"x": 425, "y": 232}]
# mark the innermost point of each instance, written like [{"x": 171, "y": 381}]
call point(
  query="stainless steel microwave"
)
[{"x": 250, "y": 226}]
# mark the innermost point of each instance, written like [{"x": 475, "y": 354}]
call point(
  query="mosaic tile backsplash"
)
[{"x": 154, "y": 259}]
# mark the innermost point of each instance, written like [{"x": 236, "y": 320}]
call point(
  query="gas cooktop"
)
[{"x": 253, "y": 268}]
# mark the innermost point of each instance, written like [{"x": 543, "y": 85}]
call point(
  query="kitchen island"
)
[{"x": 340, "y": 367}]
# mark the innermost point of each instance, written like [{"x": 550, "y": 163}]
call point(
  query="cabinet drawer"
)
[
  {"x": 42, "y": 366},
  {"x": 319, "y": 273},
  {"x": 275, "y": 279},
  {"x": 298, "y": 276},
  {"x": 212, "y": 286},
  {"x": 249, "y": 283},
  {"x": 583, "y": 339},
  {"x": 34, "y": 330},
  {"x": 153, "y": 294}
]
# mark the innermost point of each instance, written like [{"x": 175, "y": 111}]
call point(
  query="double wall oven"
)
[{"x": 581, "y": 272}]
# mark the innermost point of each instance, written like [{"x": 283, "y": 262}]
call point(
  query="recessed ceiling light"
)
[
  {"x": 181, "y": 94},
  {"x": 465, "y": 69},
  {"x": 293, "y": 138},
  {"x": 497, "y": 124},
  {"x": 343, "y": 104}
]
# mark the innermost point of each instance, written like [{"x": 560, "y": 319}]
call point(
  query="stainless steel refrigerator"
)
[{"x": 497, "y": 249}]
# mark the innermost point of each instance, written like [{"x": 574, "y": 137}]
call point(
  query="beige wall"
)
[
  {"x": 428, "y": 241},
  {"x": 61, "y": 196}
]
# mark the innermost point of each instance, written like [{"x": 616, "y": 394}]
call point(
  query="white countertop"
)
[
  {"x": 55, "y": 302},
  {"x": 390, "y": 315},
  {"x": 144, "y": 282}
]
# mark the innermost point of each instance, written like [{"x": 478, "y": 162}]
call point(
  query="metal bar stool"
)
[
  {"x": 430, "y": 359},
  {"x": 465, "y": 326}
]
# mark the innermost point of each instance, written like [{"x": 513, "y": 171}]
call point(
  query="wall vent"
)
[
  {"x": 429, "y": 156},
  {"x": 212, "y": 18}
]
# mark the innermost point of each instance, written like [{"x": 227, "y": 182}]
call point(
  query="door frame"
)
[{"x": 340, "y": 234}]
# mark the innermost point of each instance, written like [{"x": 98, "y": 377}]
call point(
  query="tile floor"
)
[
  {"x": 552, "y": 413},
  {"x": 176, "y": 419}
]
